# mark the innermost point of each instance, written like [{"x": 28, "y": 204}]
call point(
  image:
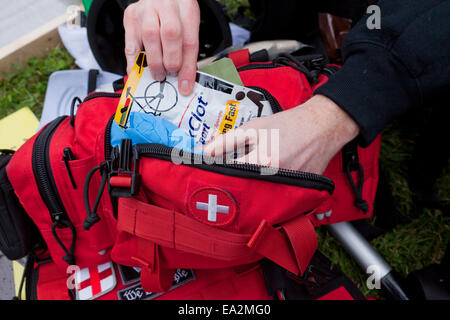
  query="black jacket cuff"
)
[{"x": 373, "y": 87}]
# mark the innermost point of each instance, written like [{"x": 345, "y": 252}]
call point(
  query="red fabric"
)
[
  {"x": 178, "y": 189},
  {"x": 339, "y": 294},
  {"x": 303, "y": 239},
  {"x": 171, "y": 229},
  {"x": 342, "y": 201},
  {"x": 270, "y": 243},
  {"x": 174, "y": 230},
  {"x": 276, "y": 81},
  {"x": 213, "y": 284},
  {"x": 86, "y": 140},
  {"x": 240, "y": 57},
  {"x": 52, "y": 283},
  {"x": 292, "y": 251},
  {"x": 154, "y": 278}
]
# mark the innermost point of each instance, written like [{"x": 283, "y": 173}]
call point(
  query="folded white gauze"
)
[{"x": 214, "y": 107}]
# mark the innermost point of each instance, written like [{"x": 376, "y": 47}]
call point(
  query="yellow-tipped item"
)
[{"x": 124, "y": 107}]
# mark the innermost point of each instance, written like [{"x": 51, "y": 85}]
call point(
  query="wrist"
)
[{"x": 333, "y": 120}]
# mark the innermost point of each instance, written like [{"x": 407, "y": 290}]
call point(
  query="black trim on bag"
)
[
  {"x": 48, "y": 190},
  {"x": 101, "y": 95},
  {"x": 252, "y": 171},
  {"x": 274, "y": 104},
  {"x": 32, "y": 284},
  {"x": 43, "y": 171},
  {"x": 309, "y": 65},
  {"x": 108, "y": 147},
  {"x": 32, "y": 278},
  {"x": 26, "y": 277},
  {"x": 242, "y": 170},
  {"x": 18, "y": 233}
]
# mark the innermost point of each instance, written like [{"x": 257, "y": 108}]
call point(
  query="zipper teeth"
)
[
  {"x": 108, "y": 138},
  {"x": 164, "y": 151},
  {"x": 276, "y": 107},
  {"x": 273, "y": 65},
  {"x": 42, "y": 169},
  {"x": 260, "y": 66}
]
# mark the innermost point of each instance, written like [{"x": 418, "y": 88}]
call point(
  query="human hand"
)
[
  {"x": 168, "y": 31},
  {"x": 310, "y": 135}
]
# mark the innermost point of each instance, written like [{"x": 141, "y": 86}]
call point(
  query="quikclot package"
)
[{"x": 214, "y": 107}]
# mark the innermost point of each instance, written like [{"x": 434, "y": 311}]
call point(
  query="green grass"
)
[
  {"x": 25, "y": 86},
  {"x": 232, "y": 6},
  {"x": 408, "y": 247}
]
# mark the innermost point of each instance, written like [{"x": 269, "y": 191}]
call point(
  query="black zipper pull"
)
[
  {"x": 351, "y": 163},
  {"x": 68, "y": 156}
]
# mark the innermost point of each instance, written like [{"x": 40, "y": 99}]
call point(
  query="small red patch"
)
[{"x": 213, "y": 206}]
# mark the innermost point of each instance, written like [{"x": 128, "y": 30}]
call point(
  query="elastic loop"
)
[
  {"x": 72, "y": 110},
  {"x": 68, "y": 258},
  {"x": 360, "y": 203},
  {"x": 92, "y": 216}
]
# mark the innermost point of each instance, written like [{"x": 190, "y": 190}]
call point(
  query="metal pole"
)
[{"x": 361, "y": 250}]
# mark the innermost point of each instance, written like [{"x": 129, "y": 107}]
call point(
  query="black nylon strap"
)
[
  {"x": 320, "y": 278},
  {"x": 92, "y": 80}
]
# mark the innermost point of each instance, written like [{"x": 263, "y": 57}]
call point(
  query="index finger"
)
[
  {"x": 133, "y": 42},
  {"x": 190, "y": 19}
]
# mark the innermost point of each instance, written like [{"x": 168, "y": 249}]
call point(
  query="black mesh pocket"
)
[{"x": 18, "y": 233}]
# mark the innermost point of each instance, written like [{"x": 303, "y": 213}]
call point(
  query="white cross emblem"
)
[{"x": 212, "y": 207}]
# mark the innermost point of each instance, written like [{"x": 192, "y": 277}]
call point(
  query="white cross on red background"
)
[{"x": 212, "y": 207}]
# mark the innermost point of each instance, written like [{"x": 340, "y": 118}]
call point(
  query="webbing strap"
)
[
  {"x": 303, "y": 239},
  {"x": 172, "y": 229},
  {"x": 153, "y": 277},
  {"x": 175, "y": 230},
  {"x": 92, "y": 80},
  {"x": 291, "y": 246}
]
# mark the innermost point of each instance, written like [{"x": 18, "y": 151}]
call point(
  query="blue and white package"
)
[{"x": 146, "y": 128}]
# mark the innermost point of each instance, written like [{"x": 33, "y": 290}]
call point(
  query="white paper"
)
[{"x": 204, "y": 113}]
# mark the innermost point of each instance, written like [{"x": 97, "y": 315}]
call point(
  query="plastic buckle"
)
[
  {"x": 123, "y": 179},
  {"x": 316, "y": 61}
]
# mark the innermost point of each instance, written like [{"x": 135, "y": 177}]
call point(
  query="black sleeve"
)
[
  {"x": 293, "y": 19},
  {"x": 390, "y": 70}
]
